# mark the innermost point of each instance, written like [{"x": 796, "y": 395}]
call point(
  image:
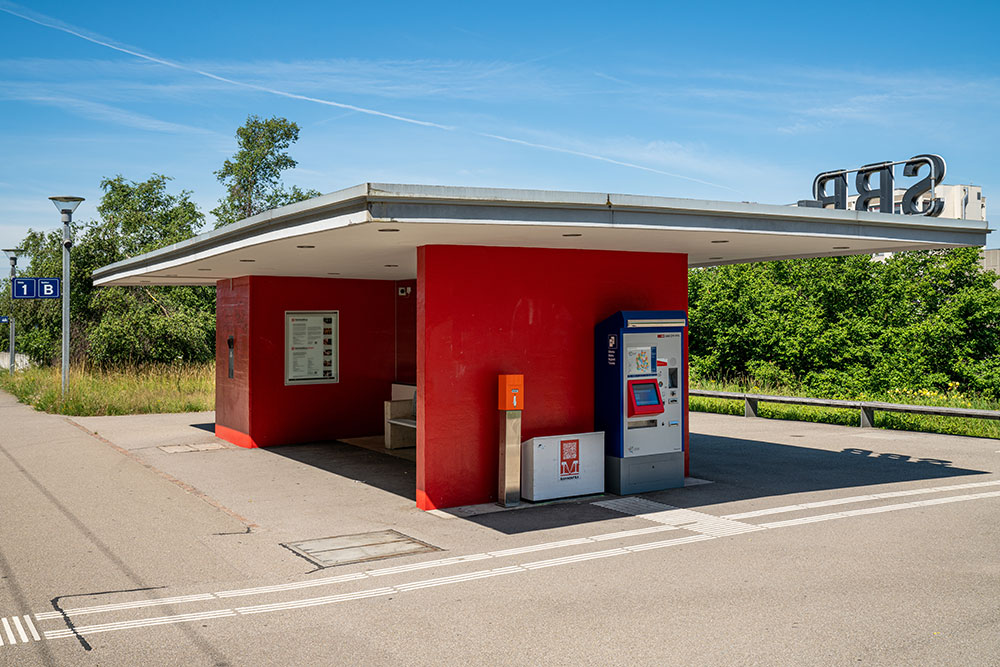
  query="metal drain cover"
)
[{"x": 358, "y": 548}]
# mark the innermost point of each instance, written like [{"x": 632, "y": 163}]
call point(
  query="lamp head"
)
[
  {"x": 66, "y": 204},
  {"x": 12, "y": 254}
]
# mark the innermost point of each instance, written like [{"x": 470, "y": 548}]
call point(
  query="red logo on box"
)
[{"x": 569, "y": 459}]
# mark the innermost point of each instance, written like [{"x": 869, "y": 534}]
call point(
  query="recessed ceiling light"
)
[
  {"x": 204, "y": 269},
  {"x": 143, "y": 281},
  {"x": 335, "y": 273},
  {"x": 391, "y": 266},
  {"x": 841, "y": 247},
  {"x": 305, "y": 246},
  {"x": 715, "y": 258},
  {"x": 248, "y": 260},
  {"x": 720, "y": 241},
  {"x": 388, "y": 229},
  {"x": 573, "y": 234}
]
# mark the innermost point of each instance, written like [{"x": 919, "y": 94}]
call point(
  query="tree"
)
[
  {"x": 253, "y": 176},
  {"x": 843, "y": 326},
  {"x": 112, "y": 325}
]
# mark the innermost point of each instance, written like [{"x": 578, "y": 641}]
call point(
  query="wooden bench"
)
[{"x": 401, "y": 423}]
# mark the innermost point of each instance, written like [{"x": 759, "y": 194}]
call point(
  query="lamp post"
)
[
  {"x": 12, "y": 254},
  {"x": 66, "y": 206}
]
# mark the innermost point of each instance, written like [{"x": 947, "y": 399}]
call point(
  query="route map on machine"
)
[{"x": 639, "y": 361}]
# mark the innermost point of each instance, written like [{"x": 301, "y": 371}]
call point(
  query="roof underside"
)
[{"x": 373, "y": 230}]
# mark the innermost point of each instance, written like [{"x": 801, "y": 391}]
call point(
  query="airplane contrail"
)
[{"x": 47, "y": 22}]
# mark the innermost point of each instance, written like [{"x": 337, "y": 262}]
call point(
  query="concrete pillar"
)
[{"x": 750, "y": 407}]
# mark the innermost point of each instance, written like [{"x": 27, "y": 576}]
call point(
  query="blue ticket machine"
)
[{"x": 639, "y": 399}]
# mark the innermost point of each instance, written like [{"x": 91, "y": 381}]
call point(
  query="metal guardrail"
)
[{"x": 866, "y": 408}]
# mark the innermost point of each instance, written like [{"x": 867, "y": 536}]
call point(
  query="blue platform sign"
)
[
  {"x": 48, "y": 288},
  {"x": 4, "y": 319},
  {"x": 36, "y": 288},
  {"x": 25, "y": 288}
]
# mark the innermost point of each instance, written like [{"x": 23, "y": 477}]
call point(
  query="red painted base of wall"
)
[
  {"x": 483, "y": 311},
  {"x": 235, "y": 437}
]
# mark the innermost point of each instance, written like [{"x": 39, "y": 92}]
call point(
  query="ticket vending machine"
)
[{"x": 639, "y": 399}]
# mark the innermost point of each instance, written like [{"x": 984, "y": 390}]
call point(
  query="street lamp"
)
[
  {"x": 66, "y": 206},
  {"x": 12, "y": 254}
]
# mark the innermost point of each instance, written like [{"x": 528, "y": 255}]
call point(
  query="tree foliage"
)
[
  {"x": 113, "y": 325},
  {"x": 253, "y": 176},
  {"x": 842, "y": 326}
]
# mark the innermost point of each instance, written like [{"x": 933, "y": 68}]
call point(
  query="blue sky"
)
[{"x": 723, "y": 101}]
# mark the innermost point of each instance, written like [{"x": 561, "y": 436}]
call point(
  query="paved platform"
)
[{"x": 146, "y": 539}]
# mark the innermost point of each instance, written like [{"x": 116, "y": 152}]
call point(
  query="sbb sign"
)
[{"x": 883, "y": 192}]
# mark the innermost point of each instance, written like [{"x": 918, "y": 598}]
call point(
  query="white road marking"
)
[
  {"x": 313, "y": 602},
  {"x": 697, "y": 522},
  {"x": 859, "y": 499},
  {"x": 20, "y": 629},
  {"x": 31, "y": 628},
  {"x": 882, "y": 508},
  {"x": 712, "y": 528},
  {"x": 6, "y": 627},
  {"x": 141, "y": 623},
  {"x": 45, "y": 615}
]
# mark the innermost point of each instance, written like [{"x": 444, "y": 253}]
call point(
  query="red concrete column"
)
[{"x": 483, "y": 311}]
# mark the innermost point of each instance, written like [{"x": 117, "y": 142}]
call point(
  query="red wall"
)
[
  {"x": 232, "y": 396},
  {"x": 280, "y": 415},
  {"x": 406, "y": 332},
  {"x": 484, "y": 311}
]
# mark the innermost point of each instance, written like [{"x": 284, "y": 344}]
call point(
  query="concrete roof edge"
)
[
  {"x": 246, "y": 227},
  {"x": 390, "y": 192}
]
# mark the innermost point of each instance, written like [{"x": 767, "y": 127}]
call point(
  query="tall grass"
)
[
  {"x": 952, "y": 397},
  {"x": 126, "y": 391}
]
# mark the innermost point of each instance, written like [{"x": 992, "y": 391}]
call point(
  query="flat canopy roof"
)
[{"x": 373, "y": 230}]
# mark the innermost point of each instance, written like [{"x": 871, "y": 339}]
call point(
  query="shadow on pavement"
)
[
  {"x": 740, "y": 469},
  {"x": 382, "y": 471}
]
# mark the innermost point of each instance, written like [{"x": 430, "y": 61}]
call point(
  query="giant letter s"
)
[{"x": 921, "y": 187}]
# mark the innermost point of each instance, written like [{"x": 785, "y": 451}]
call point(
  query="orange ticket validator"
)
[{"x": 511, "y": 392}]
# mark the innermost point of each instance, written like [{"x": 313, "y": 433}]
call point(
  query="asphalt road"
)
[{"x": 812, "y": 545}]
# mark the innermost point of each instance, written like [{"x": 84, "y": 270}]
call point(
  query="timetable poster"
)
[{"x": 311, "y": 347}]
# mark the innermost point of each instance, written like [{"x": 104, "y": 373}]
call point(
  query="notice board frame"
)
[{"x": 334, "y": 325}]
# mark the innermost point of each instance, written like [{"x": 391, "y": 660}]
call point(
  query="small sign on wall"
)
[{"x": 312, "y": 347}]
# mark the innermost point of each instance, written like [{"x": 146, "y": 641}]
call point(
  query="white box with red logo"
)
[{"x": 560, "y": 466}]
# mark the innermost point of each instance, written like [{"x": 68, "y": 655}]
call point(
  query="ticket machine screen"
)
[
  {"x": 644, "y": 398},
  {"x": 646, "y": 394}
]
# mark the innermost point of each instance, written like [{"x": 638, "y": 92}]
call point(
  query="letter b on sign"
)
[{"x": 48, "y": 288}]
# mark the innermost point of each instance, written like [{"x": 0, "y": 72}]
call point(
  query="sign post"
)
[
  {"x": 12, "y": 254},
  {"x": 511, "y": 402},
  {"x": 66, "y": 206}
]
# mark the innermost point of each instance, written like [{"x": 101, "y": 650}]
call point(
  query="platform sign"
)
[
  {"x": 36, "y": 288},
  {"x": 25, "y": 288},
  {"x": 4, "y": 319},
  {"x": 48, "y": 288}
]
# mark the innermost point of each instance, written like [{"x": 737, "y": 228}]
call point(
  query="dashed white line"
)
[
  {"x": 6, "y": 627},
  {"x": 31, "y": 628},
  {"x": 20, "y": 629}
]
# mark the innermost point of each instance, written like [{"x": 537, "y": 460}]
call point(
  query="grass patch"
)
[
  {"x": 92, "y": 392},
  {"x": 981, "y": 428}
]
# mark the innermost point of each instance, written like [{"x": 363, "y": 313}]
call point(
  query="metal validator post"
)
[{"x": 511, "y": 402}]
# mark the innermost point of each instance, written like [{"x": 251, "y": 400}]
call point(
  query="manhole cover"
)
[{"x": 358, "y": 548}]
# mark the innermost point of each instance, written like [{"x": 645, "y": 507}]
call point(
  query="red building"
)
[{"x": 324, "y": 305}]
